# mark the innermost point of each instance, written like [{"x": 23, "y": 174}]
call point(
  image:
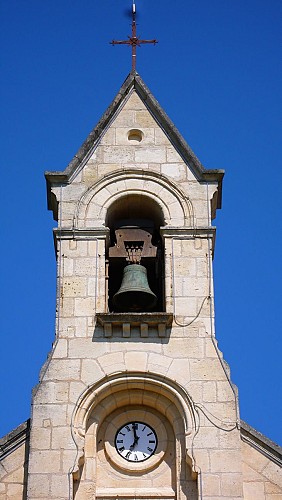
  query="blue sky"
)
[{"x": 217, "y": 73}]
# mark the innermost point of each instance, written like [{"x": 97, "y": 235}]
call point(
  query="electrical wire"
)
[
  {"x": 70, "y": 472},
  {"x": 199, "y": 470},
  {"x": 204, "y": 410},
  {"x": 173, "y": 288}
]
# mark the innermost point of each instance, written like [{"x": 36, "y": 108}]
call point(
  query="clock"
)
[
  {"x": 136, "y": 441},
  {"x": 135, "y": 438}
]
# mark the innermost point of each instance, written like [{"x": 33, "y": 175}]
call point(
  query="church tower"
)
[{"x": 135, "y": 399}]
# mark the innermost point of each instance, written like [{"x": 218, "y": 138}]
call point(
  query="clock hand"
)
[
  {"x": 136, "y": 438},
  {"x": 134, "y": 443},
  {"x": 134, "y": 431}
]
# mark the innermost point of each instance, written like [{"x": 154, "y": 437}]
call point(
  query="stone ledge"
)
[
  {"x": 81, "y": 234},
  {"x": 159, "y": 322},
  {"x": 144, "y": 493}
]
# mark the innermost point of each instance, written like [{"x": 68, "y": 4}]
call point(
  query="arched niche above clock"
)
[{"x": 113, "y": 403}]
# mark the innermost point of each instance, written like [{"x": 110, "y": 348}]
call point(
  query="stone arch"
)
[
  {"x": 129, "y": 206},
  {"x": 91, "y": 209},
  {"x": 120, "y": 389}
]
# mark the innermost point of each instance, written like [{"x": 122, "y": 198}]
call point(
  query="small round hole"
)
[{"x": 135, "y": 135}]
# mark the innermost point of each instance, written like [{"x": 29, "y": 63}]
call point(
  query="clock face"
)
[{"x": 136, "y": 441}]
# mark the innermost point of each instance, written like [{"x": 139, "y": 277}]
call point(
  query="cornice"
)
[
  {"x": 81, "y": 234},
  {"x": 14, "y": 439},
  {"x": 187, "y": 232},
  {"x": 261, "y": 443}
]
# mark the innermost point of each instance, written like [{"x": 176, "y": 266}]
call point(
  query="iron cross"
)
[{"x": 133, "y": 40}]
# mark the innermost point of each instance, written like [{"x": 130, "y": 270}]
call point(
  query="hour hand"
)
[{"x": 133, "y": 444}]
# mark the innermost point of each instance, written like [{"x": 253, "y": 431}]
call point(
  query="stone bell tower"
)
[
  {"x": 135, "y": 400},
  {"x": 125, "y": 359}
]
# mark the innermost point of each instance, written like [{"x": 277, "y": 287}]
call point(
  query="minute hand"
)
[
  {"x": 134, "y": 432},
  {"x": 136, "y": 438}
]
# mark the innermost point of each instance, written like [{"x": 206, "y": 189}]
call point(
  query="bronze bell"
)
[{"x": 134, "y": 293}]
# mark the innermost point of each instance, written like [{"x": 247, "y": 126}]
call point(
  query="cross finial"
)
[{"x": 133, "y": 40}]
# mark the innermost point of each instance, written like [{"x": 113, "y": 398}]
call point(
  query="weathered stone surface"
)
[
  {"x": 59, "y": 485},
  {"x": 84, "y": 306},
  {"x": 39, "y": 486},
  {"x": 231, "y": 485},
  {"x": 74, "y": 287},
  {"x": 206, "y": 369},
  {"x": 136, "y": 361},
  {"x": 211, "y": 486},
  {"x": 153, "y": 154},
  {"x": 61, "y": 349},
  {"x": 209, "y": 392},
  {"x": 254, "y": 490},
  {"x": 225, "y": 461},
  {"x": 62, "y": 439},
  {"x": 63, "y": 369},
  {"x": 174, "y": 170},
  {"x": 91, "y": 371},
  {"x": 41, "y": 438},
  {"x": 47, "y": 461}
]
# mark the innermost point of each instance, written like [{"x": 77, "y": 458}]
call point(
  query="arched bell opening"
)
[{"x": 135, "y": 267}]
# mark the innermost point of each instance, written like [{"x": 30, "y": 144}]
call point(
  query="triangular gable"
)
[{"x": 134, "y": 81}]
